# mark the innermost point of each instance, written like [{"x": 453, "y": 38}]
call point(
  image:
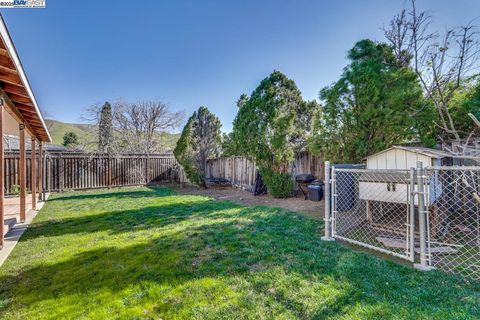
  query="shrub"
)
[
  {"x": 279, "y": 184},
  {"x": 15, "y": 189}
]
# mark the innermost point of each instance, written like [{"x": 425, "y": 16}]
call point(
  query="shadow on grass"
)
[
  {"x": 124, "y": 221},
  {"x": 272, "y": 259},
  {"x": 113, "y": 193}
]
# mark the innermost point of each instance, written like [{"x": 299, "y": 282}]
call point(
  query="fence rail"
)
[{"x": 77, "y": 171}]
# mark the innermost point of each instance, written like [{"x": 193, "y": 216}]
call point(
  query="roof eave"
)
[{"x": 16, "y": 60}]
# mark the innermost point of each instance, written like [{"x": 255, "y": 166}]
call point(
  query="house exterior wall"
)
[{"x": 10, "y": 125}]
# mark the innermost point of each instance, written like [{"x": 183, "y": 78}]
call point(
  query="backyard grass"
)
[{"x": 143, "y": 253}]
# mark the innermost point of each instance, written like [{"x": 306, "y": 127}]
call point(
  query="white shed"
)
[
  {"x": 393, "y": 186},
  {"x": 404, "y": 158}
]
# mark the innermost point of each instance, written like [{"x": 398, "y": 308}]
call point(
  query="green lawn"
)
[{"x": 144, "y": 253}]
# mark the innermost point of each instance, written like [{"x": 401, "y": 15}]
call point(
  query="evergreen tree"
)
[
  {"x": 267, "y": 127},
  {"x": 105, "y": 128},
  {"x": 376, "y": 103},
  {"x": 70, "y": 139},
  {"x": 242, "y": 100},
  {"x": 200, "y": 140}
]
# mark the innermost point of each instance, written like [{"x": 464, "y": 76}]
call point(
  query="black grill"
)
[{"x": 303, "y": 180}]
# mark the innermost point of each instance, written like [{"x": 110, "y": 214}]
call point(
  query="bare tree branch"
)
[
  {"x": 442, "y": 66},
  {"x": 137, "y": 127},
  {"x": 138, "y": 124}
]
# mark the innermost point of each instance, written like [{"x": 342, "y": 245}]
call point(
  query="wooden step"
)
[{"x": 9, "y": 223}]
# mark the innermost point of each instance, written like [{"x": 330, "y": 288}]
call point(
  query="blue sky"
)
[{"x": 192, "y": 53}]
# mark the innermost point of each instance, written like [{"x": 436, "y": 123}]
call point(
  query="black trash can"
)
[{"x": 315, "y": 192}]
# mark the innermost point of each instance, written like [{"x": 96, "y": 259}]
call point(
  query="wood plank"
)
[
  {"x": 7, "y": 63},
  {"x": 4, "y": 52},
  {"x": 61, "y": 174},
  {"x": 10, "y": 78},
  {"x": 24, "y": 101},
  {"x": 28, "y": 113},
  {"x": 18, "y": 90},
  {"x": 8, "y": 70}
]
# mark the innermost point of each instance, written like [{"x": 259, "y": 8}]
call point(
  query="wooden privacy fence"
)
[
  {"x": 76, "y": 171},
  {"x": 241, "y": 171}
]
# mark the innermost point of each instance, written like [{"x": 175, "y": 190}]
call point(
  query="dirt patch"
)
[{"x": 314, "y": 209}]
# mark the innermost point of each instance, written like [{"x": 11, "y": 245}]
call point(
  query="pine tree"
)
[
  {"x": 376, "y": 103},
  {"x": 200, "y": 140},
  {"x": 105, "y": 128},
  {"x": 70, "y": 139}
]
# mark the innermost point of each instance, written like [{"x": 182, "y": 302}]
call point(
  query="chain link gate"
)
[
  {"x": 426, "y": 215},
  {"x": 374, "y": 209}
]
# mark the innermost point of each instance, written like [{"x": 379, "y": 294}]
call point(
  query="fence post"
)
[
  {"x": 327, "y": 219},
  {"x": 109, "y": 168},
  {"x": 411, "y": 227},
  {"x": 50, "y": 173},
  {"x": 146, "y": 170},
  {"x": 422, "y": 212},
  {"x": 61, "y": 173}
]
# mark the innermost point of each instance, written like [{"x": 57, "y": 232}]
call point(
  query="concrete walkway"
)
[
  {"x": 11, "y": 207},
  {"x": 15, "y": 230}
]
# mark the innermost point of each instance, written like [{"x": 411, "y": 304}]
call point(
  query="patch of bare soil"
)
[{"x": 314, "y": 209}]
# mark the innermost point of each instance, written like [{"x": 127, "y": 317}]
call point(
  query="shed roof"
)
[
  {"x": 429, "y": 152},
  {"x": 15, "y": 85}
]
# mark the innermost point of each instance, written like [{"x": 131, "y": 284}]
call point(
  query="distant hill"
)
[{"x": 58, "y": 129}]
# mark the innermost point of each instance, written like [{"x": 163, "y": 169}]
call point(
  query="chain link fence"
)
[
  {"x": 454, "y": 219},
  {"x": 430, "y": 216},
  {"x": 371, "y": 208}
]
